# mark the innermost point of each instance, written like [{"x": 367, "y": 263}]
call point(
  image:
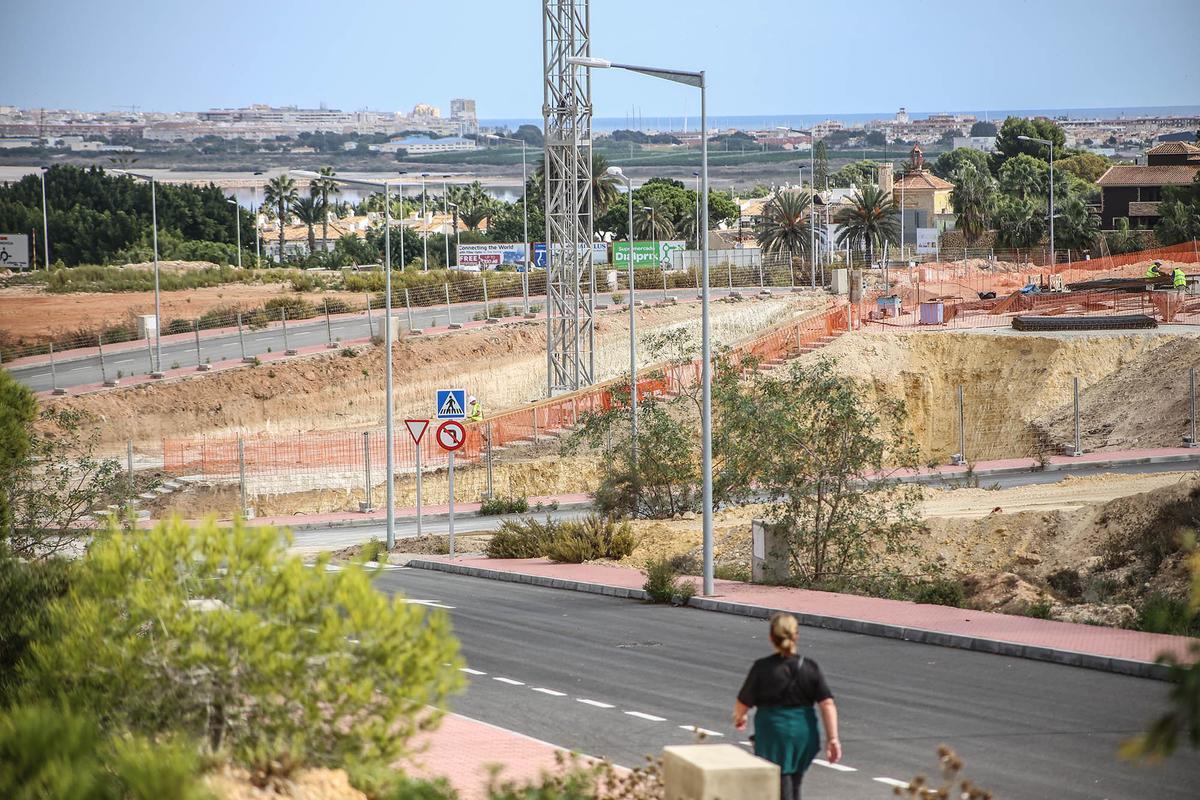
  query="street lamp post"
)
[
  {"x": 257, "y": 244},
  {"x": 696, "y": 80},
  {"x": 524, "y": 211},
  {"x": 237, "y": 226},
  {"x": 812, "y": 208},
  {"x": 457, "y": 238},
  {"x": 1049, "y": 144},
  {"x": 696, "y": 175},
  {"x": 45, "y": 219},
  {"x": 633, "y": 395},
  {"x": 158, "y": 373},
  {"x": 424, "y": 226},
  {"x": 389, "y": 405}
]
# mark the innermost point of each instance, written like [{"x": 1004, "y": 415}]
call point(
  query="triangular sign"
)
[{"x": 416, "y": 428}]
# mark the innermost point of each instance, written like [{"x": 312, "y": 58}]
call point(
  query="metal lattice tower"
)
[{"x": 567, "y": 113}]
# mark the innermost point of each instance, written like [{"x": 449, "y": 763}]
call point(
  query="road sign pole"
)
[
  {"x": 451, "y": 479},
  {"x": 149, "y": 355},
  {"x": 200, "y": 365},
  {"x": 488, "y": 454},
  {"x": 367, "y": 507},
  {"x": 370, "y": 321},
  {"x": 418, "y": 489},
  {"x": 241, "y": 338},
  {"x": 449, "y": 311},
  {"x": 408, "y": 306},
  {"x": 287, "y": 351},
  {"x": 329, "y": 328},
  {"x": 104, "y": 381}
]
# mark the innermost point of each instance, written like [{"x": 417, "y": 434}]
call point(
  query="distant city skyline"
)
[{"x": 928, "y": 55}]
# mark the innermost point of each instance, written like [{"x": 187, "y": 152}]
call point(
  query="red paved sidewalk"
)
[
  {"x": 461, "y": 749},
  {"x": 1026, "y": 631}
]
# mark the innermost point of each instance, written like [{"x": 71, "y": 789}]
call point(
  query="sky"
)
[{"x": 762, "y": 56}]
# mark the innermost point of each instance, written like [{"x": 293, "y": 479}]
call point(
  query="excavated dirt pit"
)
[{"x": 1017, "y": 389}]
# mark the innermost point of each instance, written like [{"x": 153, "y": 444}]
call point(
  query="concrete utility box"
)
[
  {"x": 147, "y": 324},
  {"x": 611, "y": 276},
  {"x": 841, "y": 281},
  {"x": 932, "y": 312},
  {"x": 717, "y": 772},
  {"x": 856, "y": 283},
  {"x": 769, "y": 553}
]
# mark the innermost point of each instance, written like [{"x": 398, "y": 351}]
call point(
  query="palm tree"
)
[
  {"x": 1076, "y": 227},
  {"x": 279, "y": 194},
  {"x": 604, "y": 186},
  {"x": 308, "y": 211},
  {"x": 474, "y": 204},
  {"x": 785, "y": 224},
  {"x": 1020, "y": 223},
  {"x": 1023, "y": 177},
  {"x": 871, "y": 221},
  {"x": 323, "y": 187},
  {"x": 974, "y": 200},
  {"x": 652, "y": 222}
]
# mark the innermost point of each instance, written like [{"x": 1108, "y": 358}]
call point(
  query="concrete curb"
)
[
  {"x": 1072, "y": 658},
  {"x": 441, "y": 515}
]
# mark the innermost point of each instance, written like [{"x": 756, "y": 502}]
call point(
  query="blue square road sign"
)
[{"x": 451, "y": 404}]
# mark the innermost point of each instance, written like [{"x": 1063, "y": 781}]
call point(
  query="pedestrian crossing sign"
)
[{"x": 451, "y": 403}]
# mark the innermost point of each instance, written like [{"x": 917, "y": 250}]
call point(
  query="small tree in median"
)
[{"x": 821, "y": 456}]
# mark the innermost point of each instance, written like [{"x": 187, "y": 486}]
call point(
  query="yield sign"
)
[{"x": 416, "y": 428}]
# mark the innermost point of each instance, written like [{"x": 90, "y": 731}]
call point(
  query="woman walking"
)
[{"x": 784, "y": 688}]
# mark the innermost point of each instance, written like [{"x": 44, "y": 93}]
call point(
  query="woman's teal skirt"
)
[{"x": 788, "y": 737}]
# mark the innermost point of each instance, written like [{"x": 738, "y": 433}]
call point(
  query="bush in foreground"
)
[
  {"x": 219, "y": 634},
  {"x": 664, "y": 584}
]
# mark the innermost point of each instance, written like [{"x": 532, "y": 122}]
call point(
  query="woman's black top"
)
[{"x": 784, "y": 681}]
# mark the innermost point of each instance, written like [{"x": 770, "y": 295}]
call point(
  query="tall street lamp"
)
[
  {"x": 1049, "y": 144},
  {"x": 45, "y": 219},
  {"x": 257, "y": 245},
  {"x": 812, "y": 228},
  {"x": 157, "y": 373},
  {"x": 524, "y": 210},
  {"x": 389, "y": 406},
  {"x": 424, "y": 226},
  {"x": 697, "y": 80},
  {"x": 633, "y": 395},
  {"x": 696, "y": 175},
  {"x": 237, "y": 226},
  {"x": 457, "y": 238}
]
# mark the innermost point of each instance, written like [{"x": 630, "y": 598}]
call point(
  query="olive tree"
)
[
  {"x": 806, "y": 441},
  {"x": 222, "y": 635}
]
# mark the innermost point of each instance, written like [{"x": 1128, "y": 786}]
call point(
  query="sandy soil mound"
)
[
  {"x": 1008, "y": 381},
  {"x": 232, "y": 783},
  {"x": 1145, "y": 403}
]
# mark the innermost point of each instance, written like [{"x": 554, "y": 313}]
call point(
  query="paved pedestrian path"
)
[
  {"x": 1109, "y": 649},
  {"x": 462, "y": 749}
]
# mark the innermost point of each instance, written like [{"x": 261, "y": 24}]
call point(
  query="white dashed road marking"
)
[
  {"x": 705, "y": 731},
  {"x": 595, "y": 703},
  {"x": 820, "y": 762},
  {"x": 892, "y": 782},
  {"x": 509, "y": 681},
  {"x": 551, "y": 692},
  {"x": 470, "y": 671},
  {"x": 649, "y": 717},
  {"x": 430, "y": 603}
]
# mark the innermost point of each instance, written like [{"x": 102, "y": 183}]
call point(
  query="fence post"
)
[
  {"x": 103, "y": 372},
  {"x": 729, "y": 271},
  {"x": 525, "y": 288},
  {"x": 149, "y": 355},
  {"x": 242, "y": 340},
  {"x": 408, "y": 308},
  {"x": 366, "y": 506},
  {"x": 129, "y": 467},
  {"x": 487, "y": 315},
  {"x": 664, "y": 277},
  {"x": 242, "y": 476},
  {"x": 792, "y": 274},
  {"x": 287, "y": 351},
  {"x": 1076, "y": 451},
  {"x": 960, "y": 458},
  {"x": 370, "y": 321},
  {"x": 761, "y": 282},
  {"x": 488, "y": 453},
  {"x": 329, "y": 329},
  {"x": 1190, "y": 439},
  {"x": 535, "y": 433},
  {"x": 200, "y": 365},
  {"x": 449, "y": 311}
]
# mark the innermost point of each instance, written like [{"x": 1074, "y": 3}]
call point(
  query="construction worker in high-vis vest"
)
[
  {"x": 474, "y": 410},
  {"x": 1153, "y": 271},
  {"x": 1179, "y": 278}
]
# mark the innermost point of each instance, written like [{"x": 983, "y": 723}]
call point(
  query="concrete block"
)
[
  {"x": 840, "y": 281},
  {"x": 717, "y": 772},
  {"x": 147, "y": 324},
  {"x": 769, "y": 554}
]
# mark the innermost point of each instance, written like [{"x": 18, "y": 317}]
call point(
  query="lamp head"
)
[
  {"x": 615, "y": 172},
  {"x": 588, "y": 61}
]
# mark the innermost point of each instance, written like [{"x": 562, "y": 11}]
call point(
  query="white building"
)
[{"x": 984, "y": 144}]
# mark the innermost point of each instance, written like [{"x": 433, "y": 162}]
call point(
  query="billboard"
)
[
  {"x": 490, "y": 255},
  {"x": 14, "y": 251},
  {"x": 927, "y": 240},
  {"x": 599, "y": 253},
  {"x": 646, "y": 254}
]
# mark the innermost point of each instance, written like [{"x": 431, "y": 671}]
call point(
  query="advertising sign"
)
[
  {"x": 927, "y": 240},
  {"x": 646, "y": 254},
  {"x": 14, "y": 251},
  {"x": 599, "y": 253},
  {"x": 491, "y": 255}
]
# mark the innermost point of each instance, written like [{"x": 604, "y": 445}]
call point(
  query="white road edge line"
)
[
  {"x": 705, "y": 731},
  {"x": 470, "y": 671},
  {"x": 839, "y": 767},
  {"x": 649, "y": 717},
  {"x": 509, "y": 681},
  {"x": 551, "y": 692},
  {"x": 595, "y": 703},
  {"x": 892, "y": 782}
]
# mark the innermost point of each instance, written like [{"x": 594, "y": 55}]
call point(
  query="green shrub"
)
[
  {"x": 1162, "y": 614},
  {"x": 336, "y": 305},
  {"x": 591, "y": 538},
  {"x": 523, "y": 538},
  {"x": 26, "y": 590},
  {"x": 372, "y": 550},
  {"x": 1038, "y": 610},
  {"x": 732, "y": 572},
  {"x": 939, "y": 591},
  {"x": 664, "y": 585},
  {"x": 296, "y": 308},
  {"x": 381, "y": 782},
  {"x": 492, "y": 506}
]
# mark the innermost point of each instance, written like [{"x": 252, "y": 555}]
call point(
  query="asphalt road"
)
[
  {"x": 213, "y": 348},
  {"x": 569, "y": 668}
]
